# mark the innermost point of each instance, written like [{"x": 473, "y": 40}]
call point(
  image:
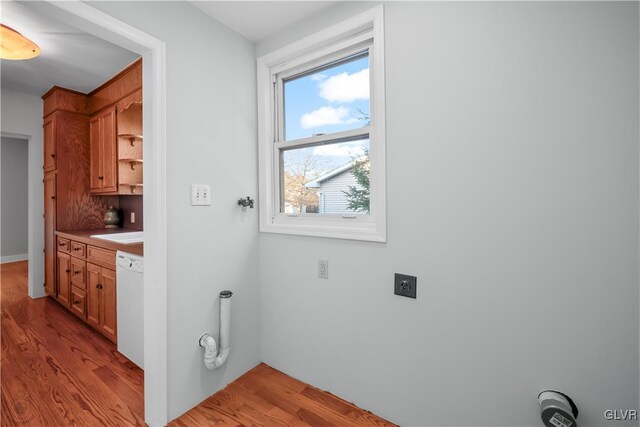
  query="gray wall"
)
[
  {"x": 14, "y": 193},
  {"x": 22, "y": 116},
  {"x": 211, "y": 134},
  {"x": 512, "y": 165}
]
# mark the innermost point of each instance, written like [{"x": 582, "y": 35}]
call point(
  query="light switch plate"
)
[{"x": 200, "y": 194}]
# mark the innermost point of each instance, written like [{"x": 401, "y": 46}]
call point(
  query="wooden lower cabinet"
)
[
  {"x": 79, "y": 302},
  {"x": 101, "y": 300},
  {"x": 86, "y": 284},
  {"x": 64, "y": 278}
]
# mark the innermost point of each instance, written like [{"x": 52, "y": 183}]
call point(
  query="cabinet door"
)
[
  {"x": 103, "y": 163},
  {"x": 64, "y": 276},
  {"x": 109, "y": 314},
  {"x": 94, "y": 158},
  {"x": 49, "y": 145},
  {"x": 93, "y": 294},
  {"x": 78, "y": 268},
  {"x": 50, "y": 233},
  {"x": 108, "y": 152},
  {"x": 78, "y": 302}
]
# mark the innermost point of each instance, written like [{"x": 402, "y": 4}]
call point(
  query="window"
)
[{"x": 321, "y": 133}]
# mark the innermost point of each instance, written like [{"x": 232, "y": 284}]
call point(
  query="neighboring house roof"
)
[{"x": 337, "y": 171}]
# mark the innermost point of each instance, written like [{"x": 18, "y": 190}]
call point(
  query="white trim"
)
[
  {"x": 344, "y": 34},
  {"x": 13, "y": 258},
  {"x": 34, "y": 219},
  {"x": 153, "y": 51},
  {"x": 337, "y": 171},
  {"x": 335, "y": 137}
]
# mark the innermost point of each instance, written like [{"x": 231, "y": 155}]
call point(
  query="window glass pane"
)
[
  {"x": 326, "y": 179},
  {"x": 331, "y": 99}
]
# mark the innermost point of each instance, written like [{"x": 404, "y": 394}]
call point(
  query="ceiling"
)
[
  {"x": 70, "y": 58},
  {"x": 76, "y": 60},
  {"x": 257, "y": 20}
]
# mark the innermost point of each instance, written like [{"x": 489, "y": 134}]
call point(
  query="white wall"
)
[
  {"x": 211, "y": 126},
  {"x": 512, "y": 155},
  {"x": 22, "y": 117},
  {"x": 13, "y": 219}
]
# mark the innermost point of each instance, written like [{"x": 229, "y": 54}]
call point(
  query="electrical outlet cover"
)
[
  {"x": 405, "y": 285},
  {"x": 323, "y": 269}
]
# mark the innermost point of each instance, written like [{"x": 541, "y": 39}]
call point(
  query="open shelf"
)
[
  {"x": 135, "y": 188},
  {"x": 131, "y": 137},
  {"x": 133, "y": 162}
]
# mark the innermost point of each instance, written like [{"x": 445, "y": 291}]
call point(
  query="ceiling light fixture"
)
[{"x": 15, "y": 46}]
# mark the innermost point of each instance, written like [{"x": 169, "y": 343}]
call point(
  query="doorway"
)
[
  {"x": 14, "y": 204},
  {"x": 93, "y": 21}
]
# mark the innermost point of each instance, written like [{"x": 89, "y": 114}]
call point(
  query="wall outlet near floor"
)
[
  {"x": 323, "y": 268},
  {"x": 132, "y": 218},
  {"x": 200, "y": 194},
  {"x": 405, "y": 285}
]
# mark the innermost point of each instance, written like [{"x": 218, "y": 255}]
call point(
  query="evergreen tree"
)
[{"x": 360, "y": 196}]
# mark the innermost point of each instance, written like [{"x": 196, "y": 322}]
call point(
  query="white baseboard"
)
[{"x": 14, "y": 258}]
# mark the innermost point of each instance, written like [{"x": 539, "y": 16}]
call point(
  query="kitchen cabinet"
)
[
  {"x": 49, "y": 145},
  {"x": 101, "y": 300},
  {"x": 86, "y": 282},
  {"x": 116, "y": 148},
  {"x": 50, "y": 233},
  {"x": 63, "y": 293},
  {"x": 68, "y": 203},
  {"x": 79, "y": 302},
  {"x": 102, "y": 134}
]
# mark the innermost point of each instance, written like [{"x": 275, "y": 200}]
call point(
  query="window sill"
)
[{"x": 333, "y": 228}]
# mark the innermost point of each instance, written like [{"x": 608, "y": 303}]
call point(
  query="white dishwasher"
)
[{"x": 130, "y": 300}]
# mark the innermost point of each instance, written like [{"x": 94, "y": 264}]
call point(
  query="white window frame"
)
[{"x": 365, "y": 30}]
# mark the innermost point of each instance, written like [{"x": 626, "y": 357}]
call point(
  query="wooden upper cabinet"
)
[
  {"x": 94, "y": 153},
  {"x": 103, "y": 147},
  {"x": 49, "y": 144},
  {"x": 50, "y": 233}
]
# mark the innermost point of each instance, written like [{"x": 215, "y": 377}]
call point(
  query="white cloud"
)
[
  {"x": 326, "y": 116},
  {"x": 318, "y": 77},
  {"x": 339, "y": 150},
  {"x": 345, "y": 87}
]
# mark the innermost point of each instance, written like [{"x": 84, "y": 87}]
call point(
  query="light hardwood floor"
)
[
  {"x": 267, "y": 397},
  {"x": 57, "y": 371}
]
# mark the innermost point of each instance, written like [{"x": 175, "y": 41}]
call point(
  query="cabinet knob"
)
[
  {"x": 76, "y": 302},
  {"x": 99, "y": 286},
  {"x": 101, "y": 177},
  {"x": 68, "y": 271},
  {"x": 76, "y": 272},
  {"x": 53, "y": 156},
  {"x": 76, "y": 249},
  {"x": 53, "y": 197}
]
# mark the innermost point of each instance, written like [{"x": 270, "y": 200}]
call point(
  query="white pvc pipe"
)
[{"x": 215, "y": 357}]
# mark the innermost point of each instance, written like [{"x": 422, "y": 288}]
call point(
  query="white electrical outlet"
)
[
  {"x": 133, "y": 218},
  {"x": 200, "y": 194},
  {"x": 323, "y": 268}
]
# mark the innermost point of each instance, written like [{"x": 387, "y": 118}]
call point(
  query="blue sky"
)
[
  {"x": 338, "y": 92},
  {"x": 325, "y": 102}
]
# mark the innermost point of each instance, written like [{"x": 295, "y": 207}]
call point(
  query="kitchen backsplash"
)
[{"x": 130, "y": 204}]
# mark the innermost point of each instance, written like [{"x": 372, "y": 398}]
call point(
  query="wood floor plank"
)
[
  {"x": 56, "y": 370},
  {"x": 266, "y": 397}
]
